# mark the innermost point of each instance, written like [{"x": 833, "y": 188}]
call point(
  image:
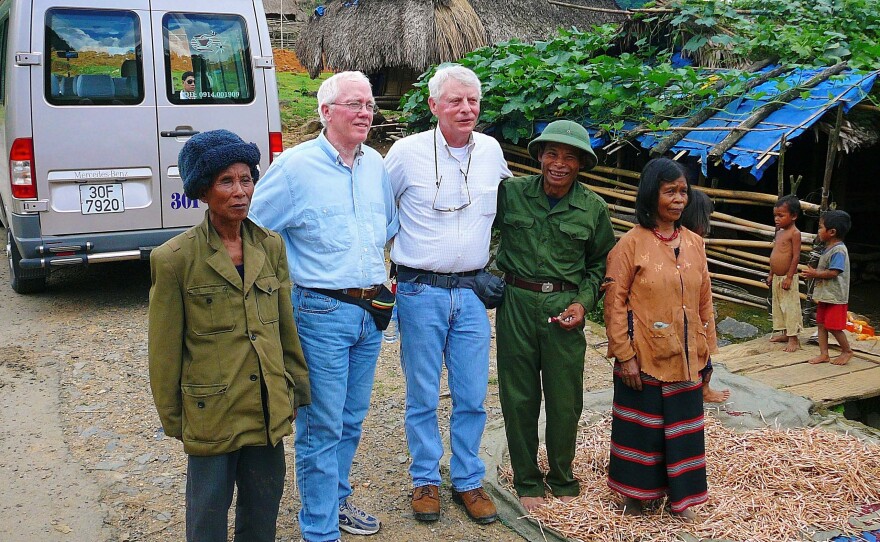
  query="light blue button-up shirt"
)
[{"x": 335, "y": 220}]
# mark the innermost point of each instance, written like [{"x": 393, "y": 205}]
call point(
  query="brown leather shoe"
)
[
  {"x": 477, "y": 504},
  {"x": 426, "y": 503}
]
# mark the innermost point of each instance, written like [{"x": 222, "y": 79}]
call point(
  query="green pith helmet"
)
[{"x": 569, "y": 133}]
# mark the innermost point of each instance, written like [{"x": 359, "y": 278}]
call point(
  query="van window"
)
[
  {"x": 207, "y": 59},
  {"x": 93, "y": 57}
]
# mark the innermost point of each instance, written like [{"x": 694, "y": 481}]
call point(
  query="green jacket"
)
[
  {"x": 211, "y": 341},
  {"x": 569, "y": 242}
]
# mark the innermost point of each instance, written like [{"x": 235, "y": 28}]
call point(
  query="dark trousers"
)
[
  {"x": 534, "y": 359},
  {"x": 258, "y": 471}
]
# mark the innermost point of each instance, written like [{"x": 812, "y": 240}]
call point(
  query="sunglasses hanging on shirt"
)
[{"x": 438, "y": 179}]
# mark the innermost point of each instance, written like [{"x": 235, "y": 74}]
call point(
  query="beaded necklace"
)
[{"x": 663, "y": 238}]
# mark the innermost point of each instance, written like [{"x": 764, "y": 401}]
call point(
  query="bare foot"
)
[
  {"x": 687, "y": 515},
  {"x": 781, "y": 338},
  {"x": 821, "y": 358},
  {"x": 633, "y": 507},
  {"x": 793, "y": 344},
  {"x": 530, "y": 503},
  {"x": 715, "y": 396},
  {"x": 566, "y": 498},
  {"x": 842, "y": 359}
]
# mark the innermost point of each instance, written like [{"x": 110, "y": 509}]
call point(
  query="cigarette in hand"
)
[{"x": 554, "y": 319}]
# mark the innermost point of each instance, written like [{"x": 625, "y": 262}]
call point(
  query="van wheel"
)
[{"x": 24, "y": 281}]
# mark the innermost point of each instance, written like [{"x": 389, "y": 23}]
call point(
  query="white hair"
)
[
  {"x": 329, "y": 89},
  {"x": 458, "y": 72}
]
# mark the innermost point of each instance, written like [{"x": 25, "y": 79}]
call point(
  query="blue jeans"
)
[
  {"x": 341, "y": 344},
  {"x": 258, "y": 471},
  {"x": 437, "y": 326}
]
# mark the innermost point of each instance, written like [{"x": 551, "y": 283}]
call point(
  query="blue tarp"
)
[{"x": 791, "y": 120}]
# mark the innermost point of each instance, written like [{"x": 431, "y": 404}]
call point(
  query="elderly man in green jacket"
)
[
  {"x": 226, "y": 367},
  {"x": 555, "y": 235}
]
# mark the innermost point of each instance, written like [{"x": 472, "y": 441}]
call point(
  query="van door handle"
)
[{"x": 179, "y": 133}]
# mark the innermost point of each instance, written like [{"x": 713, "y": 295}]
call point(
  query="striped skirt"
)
[{"x": 657, "y": 442}]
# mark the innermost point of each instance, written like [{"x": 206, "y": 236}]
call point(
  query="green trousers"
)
[{"x": 535, "y": 355}]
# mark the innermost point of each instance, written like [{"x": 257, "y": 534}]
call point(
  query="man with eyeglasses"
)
[
  {"x": 189, "y": 86},
  {"x": 446, "y": 181},
  {"x": 331, "y": 201}
]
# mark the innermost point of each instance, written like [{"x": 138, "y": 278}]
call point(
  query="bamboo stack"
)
[{"x": 737, "y": 263}]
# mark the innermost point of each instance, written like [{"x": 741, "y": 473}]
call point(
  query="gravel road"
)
[{"x": 82, "y": 454}]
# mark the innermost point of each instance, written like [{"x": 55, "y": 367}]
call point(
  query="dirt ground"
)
[{"x": 82, "y": 454}]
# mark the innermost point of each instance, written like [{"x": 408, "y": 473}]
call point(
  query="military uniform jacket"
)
[
  {"x": 567, "y": 243},
  {"x": 213, "y": 339}
]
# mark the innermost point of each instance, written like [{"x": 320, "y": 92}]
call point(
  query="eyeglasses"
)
[
  {"x": 439, "y": 179},
  {"x": 355, "y": 107},
  {"x": 190, "y": 81}
]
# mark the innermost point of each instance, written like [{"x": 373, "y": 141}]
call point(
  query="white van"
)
[{"x": 96, "y": 101}]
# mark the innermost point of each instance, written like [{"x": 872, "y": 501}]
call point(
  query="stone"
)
[
  {"x": 144, "y": 458},
  {"x": 737, "y": 329},
  {"x": 109, "y": 465}
]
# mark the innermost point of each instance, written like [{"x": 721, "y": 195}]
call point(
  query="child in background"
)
[
  {"x": 832, "y": 285},
  {"x": 696, "y": 217},
  {"x": 782, "y": 279}
]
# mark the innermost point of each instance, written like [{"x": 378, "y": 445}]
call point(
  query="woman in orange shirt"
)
[{"x": 661, "y": 330}]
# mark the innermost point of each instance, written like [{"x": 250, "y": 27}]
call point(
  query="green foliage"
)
[
  {"x": 597, "y": 315},
  {"x": 296, "y": 96},
  {"x": 827, "y": 31},
  {"x": 572, "y": 77},
  {"x": 813, "y": 32},
  {"x": 575, "y": 76}
]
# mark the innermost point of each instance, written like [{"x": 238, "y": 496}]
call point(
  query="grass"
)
[
  {"x": 296, "y": 96},
  {"x": 759, "y": 318}
]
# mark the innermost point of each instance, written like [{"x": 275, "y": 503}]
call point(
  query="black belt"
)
[
  {"x": 544, "y": 287},
  {"x": 431, "y": 278}
]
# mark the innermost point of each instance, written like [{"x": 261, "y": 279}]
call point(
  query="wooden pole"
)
[
  {"x": 520, "y": 151},
  {"x": 867, "y": 107},
  {"x": 764, "y": 268},
  {"x": 829, "y": 161},
  {"x": 778, "y": 101},
  {"x": 746, "y": 282},
  {"x": 680, "y": 110},
  {"x": 715, "y": 193},
  {"x": 716, "y": 295},
  {"x": 780, "y": 169},
  {"x": 710, "y": 110},
  {"x": 736, "y": 267},
  {"x": 740, "y": 280}
]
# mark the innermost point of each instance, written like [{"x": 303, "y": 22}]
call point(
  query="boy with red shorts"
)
[{"x": 832, "y": 285}]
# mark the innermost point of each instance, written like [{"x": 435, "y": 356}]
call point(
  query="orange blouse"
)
[{"x": 662, "y": 291}]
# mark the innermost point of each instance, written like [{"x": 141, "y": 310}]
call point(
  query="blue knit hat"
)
[{"x": 208, "y": 153}]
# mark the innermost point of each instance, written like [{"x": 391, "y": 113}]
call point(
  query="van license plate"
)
[{"x": 101, "y": 198}]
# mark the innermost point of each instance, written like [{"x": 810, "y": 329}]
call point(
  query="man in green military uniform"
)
[{"x": 555, "y": 235}]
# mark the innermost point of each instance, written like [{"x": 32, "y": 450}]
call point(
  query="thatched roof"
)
[
  {"x": 369, "y": 35},
  {"x": 292, "y": 9}
]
